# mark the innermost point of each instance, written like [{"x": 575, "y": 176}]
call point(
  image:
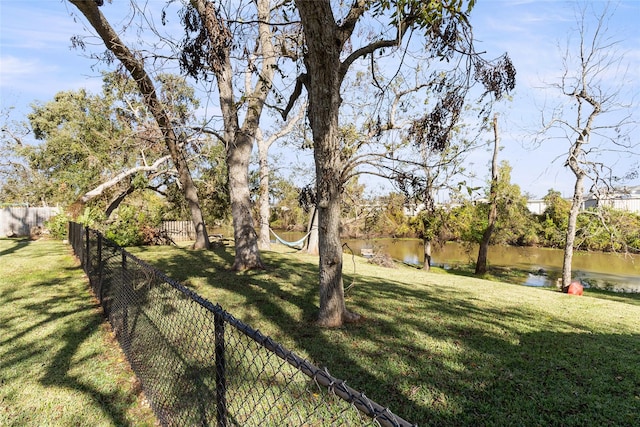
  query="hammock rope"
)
[{"x": 296, "y": 245}]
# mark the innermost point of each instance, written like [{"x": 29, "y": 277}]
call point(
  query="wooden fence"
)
[{"x": 22, "y": 220}]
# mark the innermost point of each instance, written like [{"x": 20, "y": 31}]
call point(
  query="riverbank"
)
[
  {"x": 529, "y": 266},
  {"x": 439, "y": 348}
]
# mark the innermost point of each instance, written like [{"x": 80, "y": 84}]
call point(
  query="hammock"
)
[{"x": 296, "y": 245}]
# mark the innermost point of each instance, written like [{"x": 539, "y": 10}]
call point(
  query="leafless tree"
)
[{"x": 594, "y": 116}]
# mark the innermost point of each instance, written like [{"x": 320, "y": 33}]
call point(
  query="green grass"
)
[
  {"x": 59, "y": 364},
  {"x": 438, "y": 348}
]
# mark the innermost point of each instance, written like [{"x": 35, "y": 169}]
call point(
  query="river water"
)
[{"x": 611, "y": 271}]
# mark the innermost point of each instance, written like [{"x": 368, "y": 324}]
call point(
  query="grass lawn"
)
[
  {"x": 441, "y": 349},
  {"x": 437, "y": 348},
  {"x": 59, "y": 365}
]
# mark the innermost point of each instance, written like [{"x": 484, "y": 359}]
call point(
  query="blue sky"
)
[{"x": 36, "y": 61}]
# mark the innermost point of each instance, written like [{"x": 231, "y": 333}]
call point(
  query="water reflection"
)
[
  {"x": 616, "y": 272},
  {"x": 610, "y": 271}
]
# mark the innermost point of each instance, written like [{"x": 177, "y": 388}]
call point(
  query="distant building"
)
[
  {"x": 624, "y": 199},
  {"x": 536, "y": 206}
]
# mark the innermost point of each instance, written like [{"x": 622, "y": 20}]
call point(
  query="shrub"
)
[{"x": 58, "y": 226}]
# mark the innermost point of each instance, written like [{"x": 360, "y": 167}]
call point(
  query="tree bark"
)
[
  {"x": 481, "y": 264},
  {"x": 576, "y": 204},
  {"x": 247, "y": 254},
  {"x": 322, "y": 62},
  {"x": 427, "y": 255},
  {"x": 113, "y": 205},
  {"x": 239, "y": 140},
  {"x": 100, "y": 189},
  {"x": 264, "y": 239},
  {"x": 136, "y": 68}
]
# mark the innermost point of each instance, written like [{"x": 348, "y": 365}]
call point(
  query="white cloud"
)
[{"x": 14, "y": 69}]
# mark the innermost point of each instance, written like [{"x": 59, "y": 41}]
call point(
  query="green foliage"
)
[
  {"x": 431, "y": 226},
  {"x": 58, "y": 226},
  {"x": 387, "y": 217},
  {"x": 85, "y": 139},
  {"x": 553, "y": 221},
  {"x": 77, "y": 133},
  {"x": 608, "y": 229},
  {"x": 515, "y": 224},
  {"x": 92, "y": 217},
  {"x": 126, "y": 229},
  {"x": 287, "y": 214}
]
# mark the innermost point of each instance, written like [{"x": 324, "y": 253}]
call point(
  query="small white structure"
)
[
  {"x": 624, "y": 199},
  {"x": 536, "y": 206}
]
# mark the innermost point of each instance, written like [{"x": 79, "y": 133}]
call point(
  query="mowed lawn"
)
[
  {"x": 59, "y": 364},
  {"x": 440, "y": 349}
]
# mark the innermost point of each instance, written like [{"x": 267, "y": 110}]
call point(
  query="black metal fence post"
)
[
  {"x": 169, "y": 346},
  {"x": 87, "y": 254},
  {"x": 97, "y": 288},
  {"x": 124, "y": 288},
  {"x": 221, "y": 380}
]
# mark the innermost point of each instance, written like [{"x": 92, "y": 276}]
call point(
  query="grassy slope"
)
[
  {"x": 440, "y": 349},
  {"x": 59, "y": 365}
]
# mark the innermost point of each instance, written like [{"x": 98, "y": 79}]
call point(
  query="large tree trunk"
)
[
  {"x": 481, "y": 264},
  {"x": 239, "y": 140},
  {"x": 136, "y": 68},
  {"x": 246, "y": 240},
  {"x": 322, "y": 63}
]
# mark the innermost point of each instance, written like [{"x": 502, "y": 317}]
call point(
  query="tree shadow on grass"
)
[
  {"x": 435, "y": 356},
  {"x": 17, "y": 244},
  {"x": 51, "y": 339}
]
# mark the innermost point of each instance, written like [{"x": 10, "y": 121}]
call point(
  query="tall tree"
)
[
  {"x": 264, "y": 241},
  {"x": 206, "y": 51},
  {"x": 329, "y": 54},
  {"x": 481, "y": 263},
  {"x": 88, "y": 150},
  {"x": 173, "y": 140},
  {"x": 594, "y": 118}
]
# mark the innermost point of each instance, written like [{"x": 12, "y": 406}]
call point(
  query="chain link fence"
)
[{"x": 198, "y": 365}]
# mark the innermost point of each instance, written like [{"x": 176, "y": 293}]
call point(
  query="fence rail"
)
[
  {"x": 179, "y": 230},
  {"x": 198, "y": 365}
]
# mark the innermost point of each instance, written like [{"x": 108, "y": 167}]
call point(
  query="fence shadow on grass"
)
[
  {"x": 200, "y": 365},
  {"x": 496, "y": 372}
]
